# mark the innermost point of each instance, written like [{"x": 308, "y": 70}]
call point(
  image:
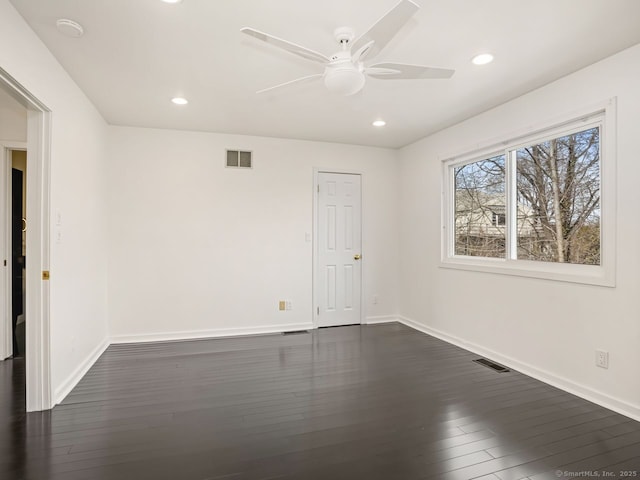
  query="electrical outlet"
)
[
  {"x": 602, "y": 359},
  {"x": 288, "y": 305},
  {"x": 281, "y": 305}
]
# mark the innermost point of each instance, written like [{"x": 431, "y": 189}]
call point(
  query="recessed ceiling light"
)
[
  {"x": 172, "y": 1},
  {"x": 179, "y": 101},
  {"x": 69, "y": 28},
  {"x": 379, "y": 123},
  {"x": 482, "y": 59}
]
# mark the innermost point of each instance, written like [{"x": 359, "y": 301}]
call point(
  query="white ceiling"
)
[{"x": 136, "y": 55}]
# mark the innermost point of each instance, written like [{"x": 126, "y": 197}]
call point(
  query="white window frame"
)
[{"x": 601, "y": 115}]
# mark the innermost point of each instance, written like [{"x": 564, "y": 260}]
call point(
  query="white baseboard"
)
[
  {"x": 599, "y": 398},
  {"x": 63, "y": 390},
  {"x": 381, "y": 319},
  {"x": 213, "y": 333}
]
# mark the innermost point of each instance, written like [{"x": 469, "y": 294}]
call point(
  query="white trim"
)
[
  {"x": 38, "y": 356},
  {"x": 70, "y": 383},
  {"x": 212, "y": 333},
  {"x": 13, "y": 145},
  {"x": 607, "y": 401},
  {"x": 381, "y": 319},
  {"x": 602, "y": 114},
  {"x": 315, "y": 270}
]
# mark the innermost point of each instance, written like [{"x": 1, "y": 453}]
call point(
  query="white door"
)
[{"x": 339, "y": 244}]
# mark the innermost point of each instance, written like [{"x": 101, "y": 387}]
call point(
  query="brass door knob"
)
[{"x": 357, "y": 257}]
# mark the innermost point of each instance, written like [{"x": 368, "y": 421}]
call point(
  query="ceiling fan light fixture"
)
[
  {"x": 482, "y": 59},
  {"x": 344, "y": 81}
]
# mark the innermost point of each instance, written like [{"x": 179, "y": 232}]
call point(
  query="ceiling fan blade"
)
[
  {"x": 362, "y": 52},
  {"x": 394, "y": 71},
  {"x": 385, "y": 29},
  {"x": 379, "y": 72},
  {"x": 291, "y": 82},
  {"x": 286, "y": 45}
]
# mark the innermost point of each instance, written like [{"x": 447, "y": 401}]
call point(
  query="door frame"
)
[
  {"x": 316, "y": 268},
  {"x": 37, "y": 305}
]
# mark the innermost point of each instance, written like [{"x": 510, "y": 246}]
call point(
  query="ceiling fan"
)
[{"x": 344, "y": 71}]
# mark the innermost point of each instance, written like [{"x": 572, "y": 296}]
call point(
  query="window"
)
[
  {"x": 558, "y": 194},
  {"x": 536, "y": 206},
  {"x": 479, "y": 207}
]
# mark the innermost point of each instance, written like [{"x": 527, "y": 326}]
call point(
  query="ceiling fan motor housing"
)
[{"x": 344, "y": 35}]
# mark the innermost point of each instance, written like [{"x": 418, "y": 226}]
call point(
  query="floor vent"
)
[
  {"x": 492, "y": 365},
  {"x": 295, "y": 332},
  {"x": 340, "y": 326}
]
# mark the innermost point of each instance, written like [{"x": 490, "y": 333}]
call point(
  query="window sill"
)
[{"x": 583, "y": 274}]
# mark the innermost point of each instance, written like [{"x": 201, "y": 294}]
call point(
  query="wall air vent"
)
[
  {"x": 239, "y": 159},
  {"x": 492, "y": 365}
]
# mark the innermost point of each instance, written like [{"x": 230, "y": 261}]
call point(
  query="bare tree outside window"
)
[
  {"x": 480, "y": 208},
  {"x": 558, "y": 184},
  {"x": 558, "y": 202}
]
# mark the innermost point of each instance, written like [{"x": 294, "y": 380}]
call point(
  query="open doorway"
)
[
  {"x": 18, "y": 234},
  {"x": 24, "y": 248},
  {"x": 13, "y": 177}
]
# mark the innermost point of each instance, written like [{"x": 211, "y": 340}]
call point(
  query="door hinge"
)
[
  {"x": 318, "y": 188},
  {"x": 5, "y": 263},
  {"x": 318, "y": 310}
]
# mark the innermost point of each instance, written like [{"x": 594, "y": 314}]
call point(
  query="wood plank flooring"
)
[{"x": 371, "y": 402}]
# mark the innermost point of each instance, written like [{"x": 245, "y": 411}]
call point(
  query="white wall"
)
[
  {"x": 78, "y": 192},
  {"x": 198, "y": 249},
  {"x": 546, "y": 328},
  {"x": 13, "y": 119}
]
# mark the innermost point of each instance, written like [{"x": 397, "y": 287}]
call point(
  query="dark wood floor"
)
[{"x": 372, "y": 402}]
